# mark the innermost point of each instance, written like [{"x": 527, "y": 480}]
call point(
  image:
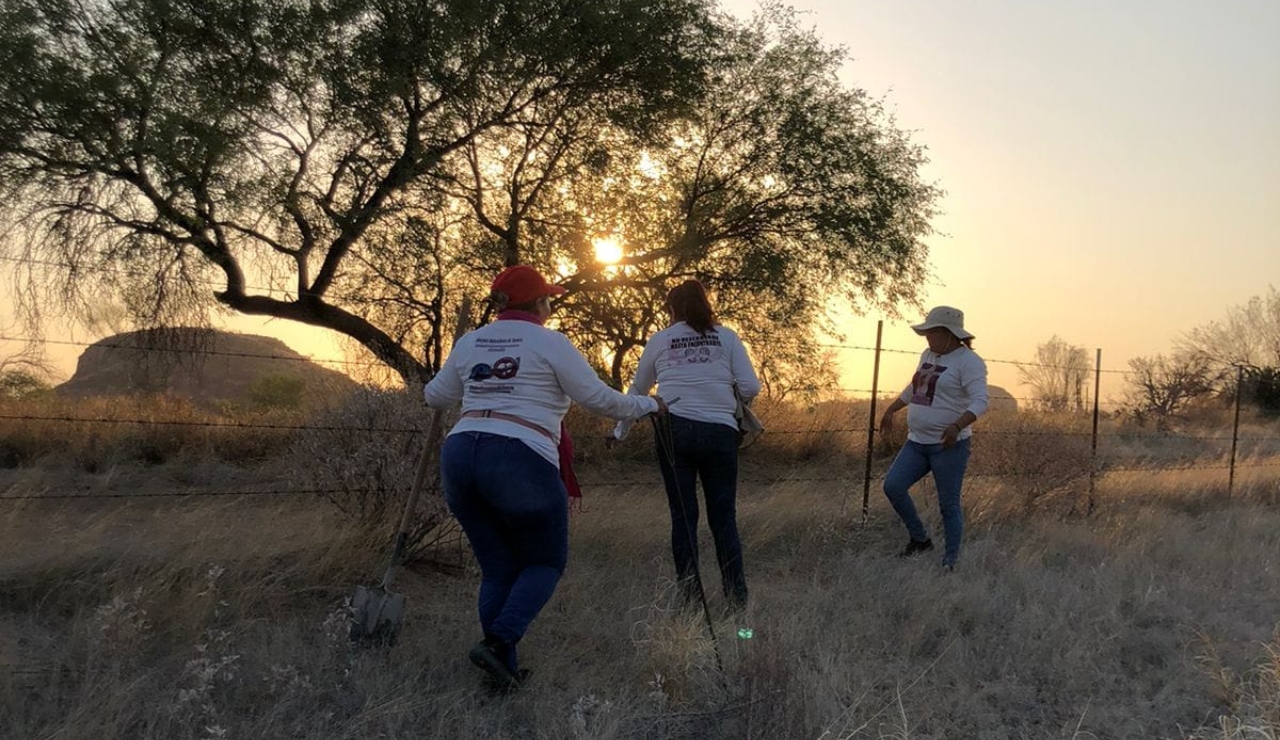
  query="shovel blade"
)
[{"x": 376, "y": 615}]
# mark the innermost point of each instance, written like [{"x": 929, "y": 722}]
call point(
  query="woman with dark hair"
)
[
  {"x": 501, "y": 466},
  {"x": 947, "y": 394},
  {"x": 701, "y": 362}
]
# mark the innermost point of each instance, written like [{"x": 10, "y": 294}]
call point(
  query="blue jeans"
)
[
  {"x": 913, "y": 462},
  {"x": 514, "y": 510},
  {"x": 710, "y": 452}
]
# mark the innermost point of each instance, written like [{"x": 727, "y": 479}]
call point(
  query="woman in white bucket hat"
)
[{"x": 947, "y": 394}]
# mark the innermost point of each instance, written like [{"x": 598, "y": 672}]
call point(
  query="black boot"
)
[
  {"x": 493, "y": 656},
  {"x": 915, "y": 547}
]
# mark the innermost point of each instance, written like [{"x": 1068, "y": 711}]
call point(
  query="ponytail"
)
[{"x": 688, "y": 302}]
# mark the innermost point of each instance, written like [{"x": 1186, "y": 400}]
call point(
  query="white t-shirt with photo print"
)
[{"x": 941, "y": 390}]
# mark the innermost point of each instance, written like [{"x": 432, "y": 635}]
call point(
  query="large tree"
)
[
  {"x": 177, "y": 143},
  {"x": 360, "y": 166},
  {"x": 782, "y": 190}
]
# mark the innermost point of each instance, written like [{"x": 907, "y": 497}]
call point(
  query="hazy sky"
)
[{"x": 1111, "y": 168}]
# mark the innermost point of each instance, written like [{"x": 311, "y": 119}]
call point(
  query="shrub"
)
[
  {"x": 21, "y": 384},
  {"x": 362, "y": 455},
  {"x": 277, "y": 391},
  {"x": 1045, "y": 456},
  {"x": 1262, "y": 388}
]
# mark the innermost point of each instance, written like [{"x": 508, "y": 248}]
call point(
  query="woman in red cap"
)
[
  {"x": 946, "y": 396},
  {"x": 500, "y": 464}
]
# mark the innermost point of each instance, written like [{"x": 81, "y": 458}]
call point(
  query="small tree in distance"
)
[
  {"x": 1161, "y": 386},
  {"x": 1059, "y": 375},
  {"x": 1262, "y": 388},
  {"x": 1247, "y": 337},
  {"x": 20, "y": 383},
  {"x": 24, "y": 372}
]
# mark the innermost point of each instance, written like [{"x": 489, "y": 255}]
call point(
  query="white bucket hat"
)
[{"x": 951, "y": 319}]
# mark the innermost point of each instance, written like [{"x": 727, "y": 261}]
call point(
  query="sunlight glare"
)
[
  {"x": 608, "y": 250},
  {"x": 564, "y": 268},
  {"x": 648, "y": 167}
]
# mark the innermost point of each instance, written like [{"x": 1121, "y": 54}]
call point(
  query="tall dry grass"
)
[
  {"x": 219, "y": 620},
  {"x": 96, "y": 434},
  {"x": 1156, "y": 617}
]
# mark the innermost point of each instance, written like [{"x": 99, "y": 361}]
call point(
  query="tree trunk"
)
[{"x": 318, "y": 313}]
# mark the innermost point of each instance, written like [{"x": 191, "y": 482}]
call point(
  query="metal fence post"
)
[
  {"x": 871, "y": 425},
  {"x": 1235, "y": 431},
  {"x": 1093, "y": 453}
]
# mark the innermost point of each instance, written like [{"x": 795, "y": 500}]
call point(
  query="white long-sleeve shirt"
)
[
  {"x": 526, "y": 370},
  {"x": 941, "y": 390},
  {"x": 698, "y": 369}
]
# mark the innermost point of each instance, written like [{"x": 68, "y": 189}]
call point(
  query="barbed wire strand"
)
[
  {"x": 413, "y": 430},
  {"x": 334, "y": 361},
  {"x": 1020, "y": 363},
  {"x": 616, "y": 483},
  {"x": 213, "y": 424}
]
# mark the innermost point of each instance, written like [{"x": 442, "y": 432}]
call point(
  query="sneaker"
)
[
  {"x": 485, "y": 656},
  {"x": 914, "y": 548},
  {"x": 948, "y": 567}
]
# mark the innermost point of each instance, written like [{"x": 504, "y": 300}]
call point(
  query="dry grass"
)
[
  {"x": 219, "y": 620},
  {"x": 96, "y": 434},
  {"x": 213, "y": 617}
]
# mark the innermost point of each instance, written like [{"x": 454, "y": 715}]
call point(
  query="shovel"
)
[{"x": 376, "y": 611}]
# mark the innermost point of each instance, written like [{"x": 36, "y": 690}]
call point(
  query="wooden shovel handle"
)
[
  {"x": 420, "y": 475},
  {"x": 434, "y": 429},
  {"x": 419, "y": 478}
]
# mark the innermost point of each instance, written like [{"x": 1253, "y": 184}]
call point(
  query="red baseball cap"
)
[{"x": 522, "y": 284}]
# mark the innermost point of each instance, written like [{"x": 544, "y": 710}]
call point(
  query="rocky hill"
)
[
  {"x": 998, "y": 399},
  {"x": 205, "y": 365}
]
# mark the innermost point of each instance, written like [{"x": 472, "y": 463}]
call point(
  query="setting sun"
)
[{"x": 608, "y": 250}]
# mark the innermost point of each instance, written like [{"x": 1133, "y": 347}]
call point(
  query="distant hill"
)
[
  {"x": 205, "y": 365},
  {"x": 998, "y": 399}
]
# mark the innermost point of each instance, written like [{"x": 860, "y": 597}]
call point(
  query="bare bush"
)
[
  {"x": 361, "y": 456},
  {"x": 1045, "y": 457}
]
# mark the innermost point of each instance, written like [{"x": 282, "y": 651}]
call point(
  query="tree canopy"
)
[{"x": 362, "y": 166}]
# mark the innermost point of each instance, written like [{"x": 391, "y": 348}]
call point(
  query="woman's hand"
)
[
  {"x": 662, "y": 405},
  {"x": 950, "y": 435},
  {"x": 886, "y": 420}
]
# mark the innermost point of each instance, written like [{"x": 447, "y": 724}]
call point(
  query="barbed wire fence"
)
[
  {"x": 1094, "y": 468},
  {"x": 1231, "y": 464}
]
